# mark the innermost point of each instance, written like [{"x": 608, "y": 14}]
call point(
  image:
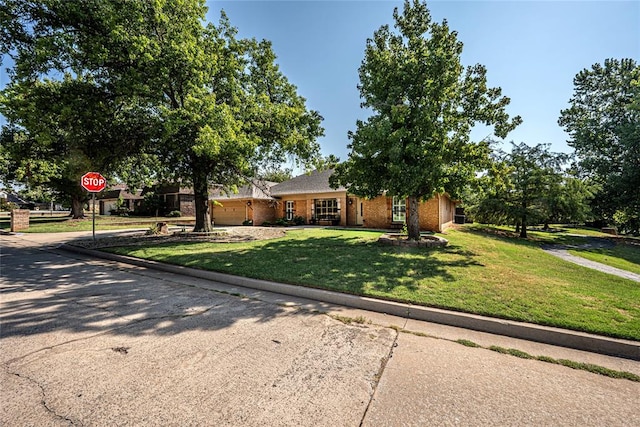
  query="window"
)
[
  {"x": 327, "y": 209},
  {"x": 289, "y": 211},
  {"x": 399, "y": 209}
]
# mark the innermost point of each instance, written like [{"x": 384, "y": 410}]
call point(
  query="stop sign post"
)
[{"x": 94, "y": 183}]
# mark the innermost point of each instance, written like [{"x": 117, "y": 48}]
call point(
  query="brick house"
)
[
  {"x": 309, "y": 196},
  {"x": 117, "y": 198},
  {"x": 252, "y": 202},
  {"x": 175, "y": 198}
]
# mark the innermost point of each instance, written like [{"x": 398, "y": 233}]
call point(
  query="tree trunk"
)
[
  {"x": 523, "y": 229},
  {"x": 201, "y": 200},
  {"x": 413, "y": 222},
  {"x": 77, "y": 207},
  {"x": 517, "y": 226}
]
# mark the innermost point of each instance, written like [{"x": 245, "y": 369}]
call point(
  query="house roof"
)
[
  {"x": 256, "y": 190},
  {"x": 120, "y": 190},
  {"x": 117, "y": 193},
  {"x": 313, "y": 182}
]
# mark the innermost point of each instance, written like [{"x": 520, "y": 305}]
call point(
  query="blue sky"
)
[{"x": 532, "y": 50}]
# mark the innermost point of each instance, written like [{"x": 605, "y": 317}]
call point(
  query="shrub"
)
[
  {"x": 247, "y": 222},
  {"x": 299, "y": 220},
  {"x": 174, "y": 214},
  {"x": 266, "y": 224},
  {"x": 282, "y": 222}
]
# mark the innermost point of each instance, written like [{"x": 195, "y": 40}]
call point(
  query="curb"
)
[{"x": 548, "y": 335}]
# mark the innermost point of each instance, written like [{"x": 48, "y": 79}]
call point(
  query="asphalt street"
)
[{"x": 89, "y": 342}]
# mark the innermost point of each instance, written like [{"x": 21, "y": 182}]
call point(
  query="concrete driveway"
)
[{"x": 95, "y": 343}]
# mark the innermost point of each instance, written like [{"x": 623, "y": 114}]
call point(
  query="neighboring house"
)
[
  {"x": 18, "y": 201},
  {"x": 111, "y": 198},
  {"x": 309, "y": 196},
  {"x": 252, "y": 204},
  {"x": 175, "y": 198}
]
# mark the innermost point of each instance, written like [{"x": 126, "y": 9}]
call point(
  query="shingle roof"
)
[
  {"x": 257, "y": 190},
  {"x": 313, "y": 182}
]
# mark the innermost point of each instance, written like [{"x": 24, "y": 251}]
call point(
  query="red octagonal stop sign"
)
[{"x": 93, "y": 182}]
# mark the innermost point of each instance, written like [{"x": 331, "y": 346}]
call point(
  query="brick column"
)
[{"x": 19, "y": 219}]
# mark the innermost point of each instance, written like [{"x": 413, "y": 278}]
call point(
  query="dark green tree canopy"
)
[
  {"x": 219, "y": 106},
  {"x": 526, "y": 186},
  {"x": 424, "y": 104},
  {"x": 603, "y": 122}
]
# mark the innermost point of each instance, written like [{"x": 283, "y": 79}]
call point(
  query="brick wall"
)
[
  {"x": 377, "y": 212},
  {"x": 429, "y": 212},
  {"x": 303, "y": 205},
  {"x": 19, "y": 219},
  {"x": 262, "y": 210},
  {"x": 187, "y": 205}
]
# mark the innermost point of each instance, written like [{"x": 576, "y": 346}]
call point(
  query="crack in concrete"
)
[
  {"x": 43, "y": 400},
  {"x": 378, "y": 377}
]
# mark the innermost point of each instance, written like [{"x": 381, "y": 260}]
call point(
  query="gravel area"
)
[{"x": 227, "y": 235}]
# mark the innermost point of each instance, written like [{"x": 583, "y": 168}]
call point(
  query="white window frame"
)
[
  {"x": 399, "y": 209},
  {"x": 289, "y": 210}
]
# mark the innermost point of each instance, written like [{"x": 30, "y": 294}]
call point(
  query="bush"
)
[
  {"x": 299, "y": 220},
  {"x": 247, "y": 222},
  {"x": 282, "y": 222},
  {"x": 266, "y": 224},
  {"x": 174, "y": 214},
  {"x": 7, "y": 206}
]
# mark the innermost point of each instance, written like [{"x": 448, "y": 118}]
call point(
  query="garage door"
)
[{"x": 228, "y": 215}]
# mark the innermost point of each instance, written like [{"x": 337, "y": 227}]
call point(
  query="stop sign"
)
[{"x": 93, "y": 182}]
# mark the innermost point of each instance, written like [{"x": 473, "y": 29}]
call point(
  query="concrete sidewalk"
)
[
  {"x": 525, "y": 331},
  {"x": 87, "y": 341},
  {"x": 563, "y": 253}
]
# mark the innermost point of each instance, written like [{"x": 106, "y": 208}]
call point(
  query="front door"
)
[{"x": 359, "y": 212}]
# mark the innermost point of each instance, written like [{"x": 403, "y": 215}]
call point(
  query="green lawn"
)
[
  {"x": 107, "y": 222},
  {"x": 479, "y": 272},
  {"x": 624, "y": 256}
]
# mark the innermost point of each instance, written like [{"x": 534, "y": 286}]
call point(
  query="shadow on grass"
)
[
  {"x": 536, "y": 237},
  {"x": 351, "y": 264}
]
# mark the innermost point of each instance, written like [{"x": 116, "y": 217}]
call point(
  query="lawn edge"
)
[{"x": 544, "y": 334}]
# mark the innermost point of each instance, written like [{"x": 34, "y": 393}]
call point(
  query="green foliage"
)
[
  {"x": 7, "y": 206},
  {"x": 247, "y": 222},
  {"x": 299, "y": 220},
  {"x": 525, "y": 187},
  {"x": 494, "y": 275},
  {"x": 174, "y": 214},
  {"x": 148, "y": 88},
  {"x": 274, "y": 174},
  {"x": 281, "y": 222},
  {"x": 603, "y": 121},
  {"x": 424, "y": 104}
]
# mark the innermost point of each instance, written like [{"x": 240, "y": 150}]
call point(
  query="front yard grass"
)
[
  {"x": 62, "y": 224},
  {"x": 479, "y": 272},
  {"x": 623, "y": 256}
]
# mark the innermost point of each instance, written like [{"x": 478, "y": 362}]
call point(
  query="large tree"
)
[
  {"x": 220, "y": 105},
  {"x": 603, "y": 122},
  {"x": 62, "y": 129},
  {"x": 526, "y": 186},
  {"x": 424, "y": 103}
]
